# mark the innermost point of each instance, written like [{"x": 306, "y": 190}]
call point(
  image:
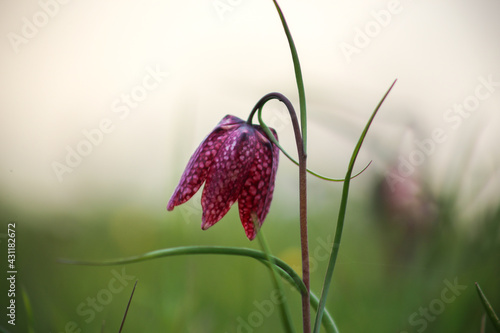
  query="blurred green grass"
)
[{"x": 373, "y": 289}]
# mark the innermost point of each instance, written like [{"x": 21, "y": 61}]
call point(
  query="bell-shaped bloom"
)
[{"x": 237, "y": 162}]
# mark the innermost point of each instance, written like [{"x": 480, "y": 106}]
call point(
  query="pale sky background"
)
[{"x": 69, "y": 74}]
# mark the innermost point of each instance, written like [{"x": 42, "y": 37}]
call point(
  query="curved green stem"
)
[
  {"x": 258, "y": 107},
  {"x": 285, "y": 270},
  {"x": 273, "y": 139},
  {"x": 341, "y": 217},
  {"x": 286, "y": 316}
]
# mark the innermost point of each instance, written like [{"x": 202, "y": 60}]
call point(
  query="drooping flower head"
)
[{"x": 237, "y": 162}]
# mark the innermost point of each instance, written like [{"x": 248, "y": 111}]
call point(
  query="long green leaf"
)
[
  {"x": 341, "y": 217},
  {"x": 298, "y": 77},
  {"x": 285, "y": 270}
]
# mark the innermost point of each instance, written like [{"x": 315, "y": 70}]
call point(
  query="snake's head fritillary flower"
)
[{"x": 237, "y": 162}]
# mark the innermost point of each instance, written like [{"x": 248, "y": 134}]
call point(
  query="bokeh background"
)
[{"x": 133, "y": 87}]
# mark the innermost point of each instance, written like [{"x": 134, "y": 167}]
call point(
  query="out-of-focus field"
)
[{"x": 388, "y": 278}]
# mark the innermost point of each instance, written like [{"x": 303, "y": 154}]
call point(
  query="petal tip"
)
[
  {"x": 204, "y": 224},
  {"x": 251, "y": 236},
  {"x": 170, "y": 205}
]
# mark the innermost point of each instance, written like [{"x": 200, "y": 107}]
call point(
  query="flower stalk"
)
[
  {"x": 304, "y": 243},
  {"x": 306, "y": 309}
]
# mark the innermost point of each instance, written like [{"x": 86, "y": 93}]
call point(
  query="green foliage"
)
[{"x": 374, "y": 289}]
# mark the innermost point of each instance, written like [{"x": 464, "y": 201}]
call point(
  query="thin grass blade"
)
[
  {"x": 489, "y": 309},
  {"x": 29, "y": 310},
  {"x": 128, "y": 306}
]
